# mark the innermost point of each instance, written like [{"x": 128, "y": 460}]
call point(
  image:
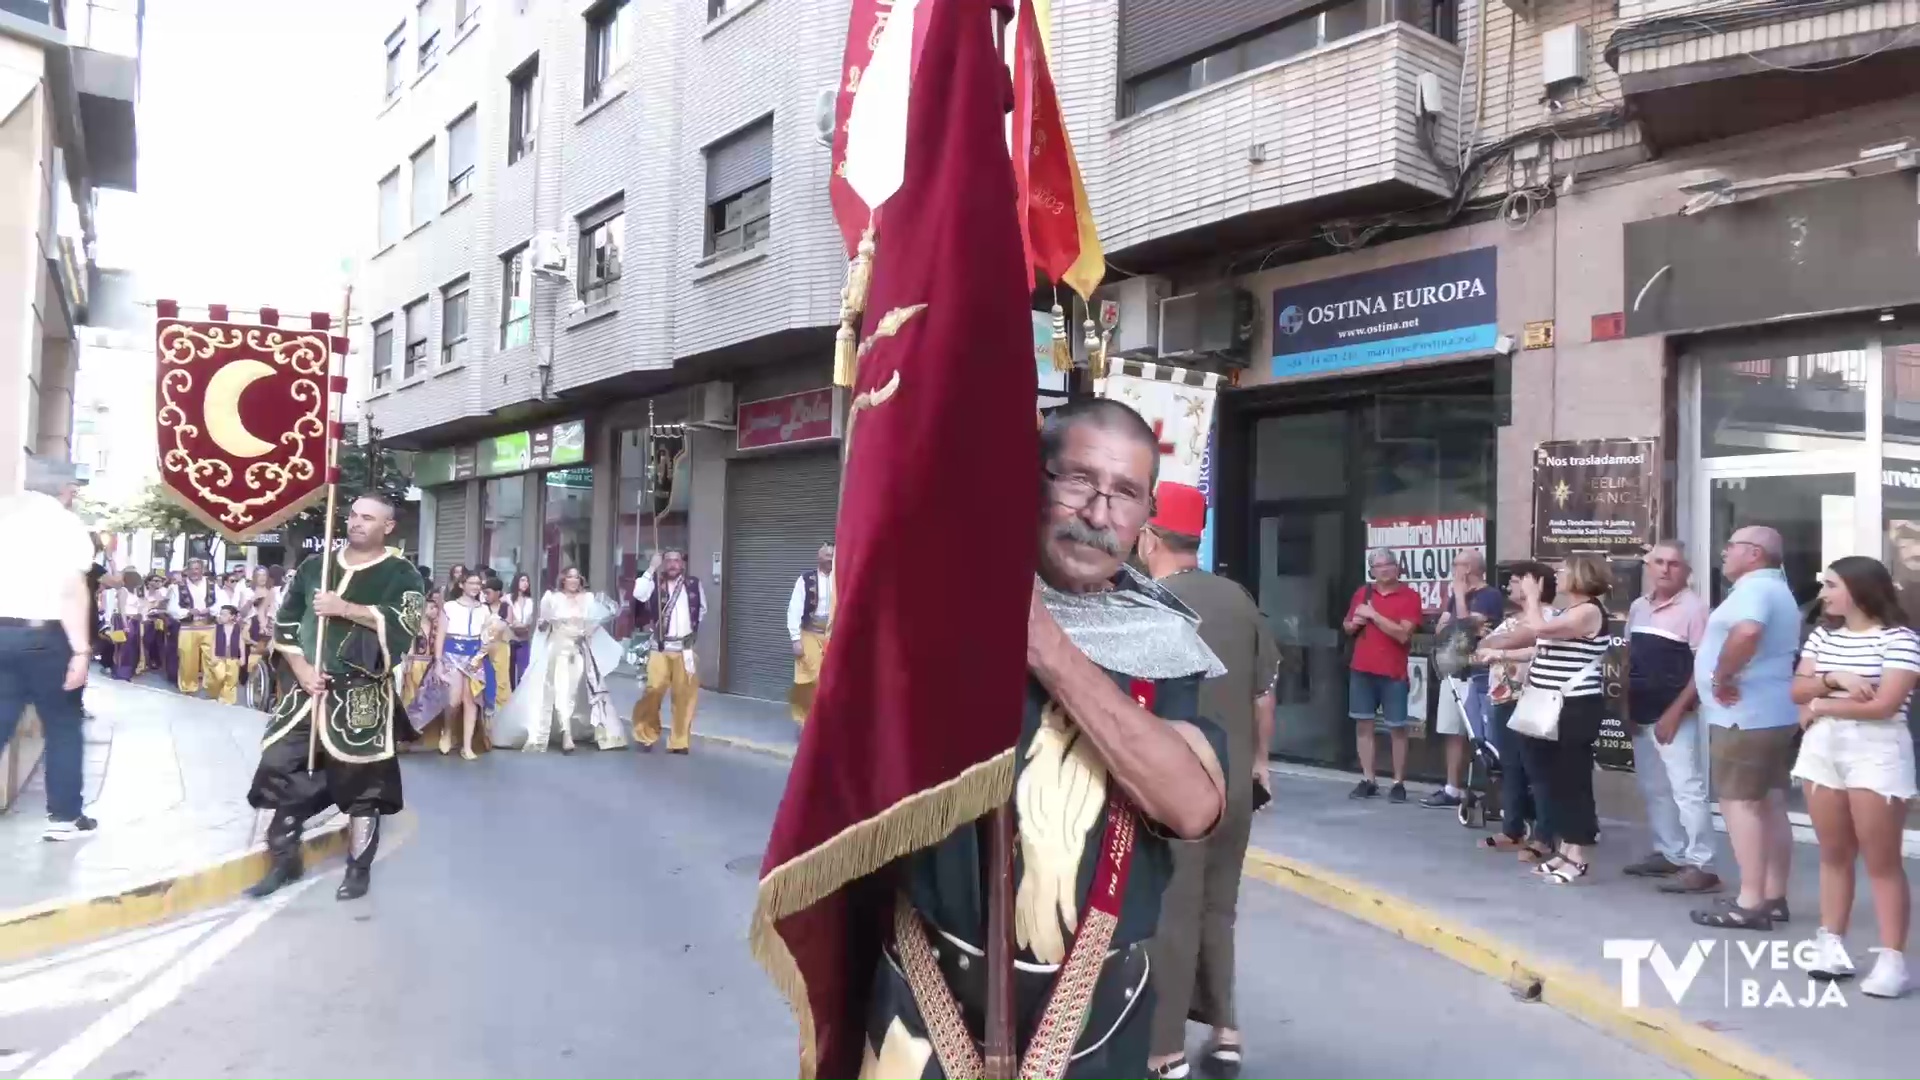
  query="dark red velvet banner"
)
[
  {"x": 242, "y": 421},
  {"x": 921, "y": 699}
]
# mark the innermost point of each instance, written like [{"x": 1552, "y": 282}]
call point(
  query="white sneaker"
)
[
  {"x": 1889, "y": 976},
  {"x": 1830, "y": 959}
]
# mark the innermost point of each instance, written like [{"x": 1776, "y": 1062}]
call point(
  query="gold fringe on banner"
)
[
  {"x": 853, "y": 303},
  {"x": 1062, "y": 346}
]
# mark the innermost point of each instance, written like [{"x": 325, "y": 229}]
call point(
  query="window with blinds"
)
[{"x": 740, "y": 189}]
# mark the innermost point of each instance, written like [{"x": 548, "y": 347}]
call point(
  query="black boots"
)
[
  {"x": 283, "y": 852},
  {"x": 363, "y": 840}
]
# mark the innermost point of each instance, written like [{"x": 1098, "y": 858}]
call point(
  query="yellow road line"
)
[{"x": 1681, "y": 1042}]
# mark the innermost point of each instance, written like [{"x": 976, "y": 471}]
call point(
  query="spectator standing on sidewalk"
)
[
  {"x": 1568, "y": 647},
  {"x": 1507, "y": 652},
  {"x": 1192, "y": 952},
  {"x": 1855, "y": 677},
  {"x": 1473, "y": 608},
  {"x": 45, "y": 634},
  {"x": 1744, "y": 676},
  {"x": 1664, "y": 628},
  {"x": 1381, "y": 619}
]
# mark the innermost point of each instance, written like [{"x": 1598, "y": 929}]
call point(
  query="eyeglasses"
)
[{"x": 1078, "y": 493}]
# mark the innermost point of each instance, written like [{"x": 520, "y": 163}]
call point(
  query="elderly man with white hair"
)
[
  {"x": 45, "y": 631},
  {"x": 1381, "y": 620},
  {"x": 1743, "y": 673}
]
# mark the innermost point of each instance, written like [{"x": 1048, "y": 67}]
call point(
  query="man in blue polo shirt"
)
[{"x": 1744, "y": 675}]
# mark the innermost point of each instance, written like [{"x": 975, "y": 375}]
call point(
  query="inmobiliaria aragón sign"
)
[{"x": 1595, "y": 495}]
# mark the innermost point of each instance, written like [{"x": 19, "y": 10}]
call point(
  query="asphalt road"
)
[{"x": 585, "y": 916}]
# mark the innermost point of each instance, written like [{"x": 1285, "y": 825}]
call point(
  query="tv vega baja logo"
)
[{"x": 1754, "y": 974}]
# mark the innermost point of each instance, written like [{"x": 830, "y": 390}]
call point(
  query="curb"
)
[
  {"x": 784, "y": 753},
  {"x": 27, "y": 931},
  {"x": 1682, "y": 1043}
]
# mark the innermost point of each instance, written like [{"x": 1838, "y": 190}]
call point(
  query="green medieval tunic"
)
[{"x": 353, "y": 745}]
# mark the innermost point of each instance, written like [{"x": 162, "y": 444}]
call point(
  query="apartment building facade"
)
[
  {"x": 599, "y": 300},
  {"x": 1433, "y": 236}
]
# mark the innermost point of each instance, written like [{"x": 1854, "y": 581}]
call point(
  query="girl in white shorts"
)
[{"x": 1856, "y": 759}]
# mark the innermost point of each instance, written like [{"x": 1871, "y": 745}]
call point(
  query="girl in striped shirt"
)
[{"x": 1856, "y": 760}]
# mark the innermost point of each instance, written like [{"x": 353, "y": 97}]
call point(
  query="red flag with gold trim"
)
[
  {"x": 919, "y": 708},
  {"x": 1056, "y": 222},
  {"x": 244, "y": 417}
]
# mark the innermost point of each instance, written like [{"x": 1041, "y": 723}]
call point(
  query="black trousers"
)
[
  {"x": 1516, "y": 794},
  {"x": 282, "y": 782},
  {"x": 1561, "y": 773}
]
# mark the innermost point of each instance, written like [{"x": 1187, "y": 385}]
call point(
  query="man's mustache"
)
[{"x": 1080, "y": 532}]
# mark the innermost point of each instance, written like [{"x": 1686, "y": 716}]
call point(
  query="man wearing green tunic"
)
[{"x": 332, "y": 736}]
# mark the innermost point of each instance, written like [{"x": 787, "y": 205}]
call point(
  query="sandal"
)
[
  {"x": 1172, "y": 1070},
  {"x": 1565, "y": 872},
  {"x": 1731, "y": 916},
  {"x": 1776, "y": 909},
  {"x": 1531, "y": 854},
  {"x": 1501, "y": 842}
]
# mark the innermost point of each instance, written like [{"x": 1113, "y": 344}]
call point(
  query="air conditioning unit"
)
[
  {"x": 1139, "y": 300},
  {"x": 1214, "y": 323},
  {"x": 550, "y": 255},
  {"x": 710, "y": 405}
]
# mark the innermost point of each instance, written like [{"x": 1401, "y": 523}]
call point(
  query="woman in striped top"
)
[
  {"x": 1568, "y": 647},
  {"x": 1856, "y": 760}
]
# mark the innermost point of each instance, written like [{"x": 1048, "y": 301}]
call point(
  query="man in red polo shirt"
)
[{"x": 1382, "y": 617}]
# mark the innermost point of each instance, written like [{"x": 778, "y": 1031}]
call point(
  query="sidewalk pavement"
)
[
  {"x": 166, "y": 776},
  {"x": 1417, "y": 872}
]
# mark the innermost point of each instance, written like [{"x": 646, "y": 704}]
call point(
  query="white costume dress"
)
[{"x": 566, "y": 677}]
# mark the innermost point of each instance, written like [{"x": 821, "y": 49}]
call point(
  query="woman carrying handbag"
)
[{"x": 1559, "y": 713}]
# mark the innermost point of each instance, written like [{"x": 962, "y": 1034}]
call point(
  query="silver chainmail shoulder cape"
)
[{"x": 1137, "y": 628}]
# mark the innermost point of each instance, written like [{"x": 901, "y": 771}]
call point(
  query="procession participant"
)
[
  {"x": 372, "y": 614},
  {"x": 809, "y": 622},
  {"x": 1193, "y": 948},
  {"x": 1094, "y": 767},
  {"x": 674, "y": 623},
  {"x": 519, "y": 616},
  {"x": 192, "y": 605},
  {"x": 233, "y": 591},
  {"x": 420, "y": 657},
  {"x": 262, "y": 586},
  {"x": 565, "y": 684},
  {"x": 156, "y": 640},
  {"x": 259, "y": 641},
  {"x": 499, "y": 651},
  {"x": 229, "y": 651},
  {"x": 103, "y": 589},
  {"x": 125, "y": 624},
  {"x": 940, "y": 726},
  {"x": 464, "y": 670}
]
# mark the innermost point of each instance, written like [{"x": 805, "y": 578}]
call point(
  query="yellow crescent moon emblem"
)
[{"x": 221, "y": 409}]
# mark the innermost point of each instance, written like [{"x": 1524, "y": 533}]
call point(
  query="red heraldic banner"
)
[
  {"x": 920, "y": 704},
  {"x": 242, "y": 415}
]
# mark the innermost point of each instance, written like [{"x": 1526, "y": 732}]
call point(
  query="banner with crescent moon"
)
[{"x": 242, "y": 421}]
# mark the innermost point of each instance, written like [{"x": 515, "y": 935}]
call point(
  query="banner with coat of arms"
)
[
  {"x": 1177, "y": 402},
  {"x": 244, "y": 416}
]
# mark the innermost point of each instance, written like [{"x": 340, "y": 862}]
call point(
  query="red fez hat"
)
[{"x": 1181, "y": 508}]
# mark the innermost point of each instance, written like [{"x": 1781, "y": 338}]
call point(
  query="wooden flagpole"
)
[
  {"x": 326, "y": 538},
  {"x": 1002, "y": 1052}
]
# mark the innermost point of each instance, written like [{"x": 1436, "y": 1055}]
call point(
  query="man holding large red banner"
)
[{"x": 1078, "y": 704}]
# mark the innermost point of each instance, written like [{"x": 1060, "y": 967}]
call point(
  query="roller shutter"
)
[
  {"x": 779, "y": 510},
  {"x": 449, "y": 528}
]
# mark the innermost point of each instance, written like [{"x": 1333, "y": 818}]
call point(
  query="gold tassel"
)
[
  {"x": 853, "y": 303},
  {"x": 1062, "y": 347}
]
